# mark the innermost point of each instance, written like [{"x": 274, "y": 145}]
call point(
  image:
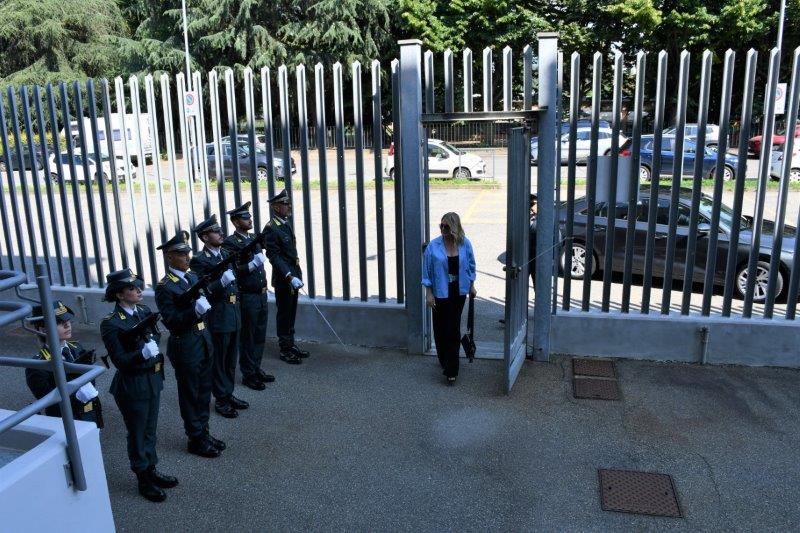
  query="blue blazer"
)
[{"x": 434, "y": 267}]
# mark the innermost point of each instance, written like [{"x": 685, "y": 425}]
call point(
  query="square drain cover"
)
[
  {"x": 593, "y": 367},
  {"x": 595, "y": 389},
  {"x": 627, "y": 491}
]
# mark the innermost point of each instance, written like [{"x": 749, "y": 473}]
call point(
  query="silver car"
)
[{"x": 776, "y": 165}]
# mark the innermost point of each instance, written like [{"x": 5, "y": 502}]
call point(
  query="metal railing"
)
[{"x": 11, "y": 312}]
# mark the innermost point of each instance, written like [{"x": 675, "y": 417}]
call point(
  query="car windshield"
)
[
  {"x": 725, "y": 214},
  {"x": 453, "y": 148}
]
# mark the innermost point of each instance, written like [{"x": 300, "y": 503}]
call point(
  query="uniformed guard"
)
[
  {"x": 223, "y": 319},
  {"x": 251, "y": 278},
  {"x": 189, "y": 347},
  {"x": 139, "y": 379},
  {"x": 287, "y": 277},
  {"x": 86, "y": 401}
]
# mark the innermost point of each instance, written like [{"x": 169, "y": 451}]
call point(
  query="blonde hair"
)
[{"x": 454, "y": 221}]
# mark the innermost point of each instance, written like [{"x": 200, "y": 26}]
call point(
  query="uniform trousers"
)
[
  {"x": 286, "y": 302},
  {"x": 253, "y": 334},
  {"x": 141, "y": 421},
  {"x": 225, "y": 346}
]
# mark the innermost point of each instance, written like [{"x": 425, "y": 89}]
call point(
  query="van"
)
[{"x": 130, "y": 137}]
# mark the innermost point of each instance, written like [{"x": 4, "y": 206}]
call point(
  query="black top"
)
[{"x": 452, "y": 276}]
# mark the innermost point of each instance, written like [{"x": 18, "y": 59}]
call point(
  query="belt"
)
[
  {"x": 231, "y": 298},
  {"x": 200, "y": 326},
  {"x": 257, "y": 291}
]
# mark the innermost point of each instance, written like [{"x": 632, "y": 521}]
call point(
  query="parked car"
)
[
  {"x": 776, "y": 165},
  {"x": 691, "y": 130},
  {"x": 26, "y": 160},
  {"x": 79, "y": 160},
  {"x": 754, "y": 144},
  {"x": 727, "y": 222},
  {"x": 689, "y": 155},
  {"x": 243, "y": 156},
  {"x": 445, "y": 161},
  {"x": 277, "y": 157},
  {"x": 582, "y": 143}
]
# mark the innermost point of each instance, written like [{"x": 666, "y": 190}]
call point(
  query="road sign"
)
[
  {"x": 191, "y": 104},
  {"x": 780, "y": 99}
]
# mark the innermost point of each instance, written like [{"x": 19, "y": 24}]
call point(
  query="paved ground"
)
[{"x": 362, "y": 439}]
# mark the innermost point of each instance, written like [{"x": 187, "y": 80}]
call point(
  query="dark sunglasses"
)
[{"x": 444, "y": 226}]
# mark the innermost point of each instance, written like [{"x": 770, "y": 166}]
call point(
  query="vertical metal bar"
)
[
  {"x": 338, "y": 99},
  {"x": 152, "y": 111},
  {"x": 51, "y": 109},
  {"x": 398, "y": 181},
  {"x": 763, "y": 177},
  {"x": 780, "y": 217},
  {"x": 202, "y": 159},
  {"x": 612, "y": 183},
  {"x": 527, "y": 79},
  {"x": 591, "y": 177},
  {"x": 7, "y": 238},
  {"x": 133, "y": 86},
  {"x": 216, "y": 135},
  {"x": 488, "y": 69},
  {"x": 319, "y": 90},
  {"x": 694, "y": 213},
  {"x": 188, "y": 165},
  {"x": 169, "y": 139},
  {"x": 574, "y": 111},
  {"x": 467, "y": 66},
  {"x": 48, "y": 174},
  {"x": 249, "y": 106},
  {"x": 633, "y": 182},
  {"x": 12, "y": 193},
  {"x": 655, "y": 177},
  {"x": 112, "y": 158},
  {"x": 414, "y": 200},
  {"x": 377, "y": 150},
  {"x": 286, "y": 141},
  {"x": 119, "y": 93},
  {"x": 358, "y": 122},
  {"x": 101, "y": 180},
  {"x": 266, "y": 108},
  {"x": 305, "y": 173},
  {"x": 233, "y": 135},
  {"x": 508, "y": 78},
  {"x": 449, "y": 82},
  {"x": 556, "y": 217},
  {"x": 37, "y": 192},
  {"x": 429, "y": 82},
  {"x": 722, "y": 148},
  {"x": 677, "y": 175},
  {"x": 23, "y": 177}
]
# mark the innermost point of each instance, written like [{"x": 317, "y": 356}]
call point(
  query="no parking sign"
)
[
  {"x": 780, "y": 99},
  {"x": 191, "y": 104}
]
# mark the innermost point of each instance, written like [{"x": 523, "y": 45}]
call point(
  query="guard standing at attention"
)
[
  {"x": 86, "y": 401},
  {"x": 139, "y": 379},
  {"x": 223, "y": 319},
  {"x": 287, "y": 278},
  {"x": 189, "y": 347},
  {"x": 251, "y": 278}
]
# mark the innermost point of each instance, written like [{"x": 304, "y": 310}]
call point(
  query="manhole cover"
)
[
  {"x": 595, "y": 389},
  {"x": 627, "y": 491},
  {"x": 593, "y": 367}
]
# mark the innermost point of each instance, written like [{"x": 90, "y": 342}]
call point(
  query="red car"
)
[{"x": 754, "y": 144}]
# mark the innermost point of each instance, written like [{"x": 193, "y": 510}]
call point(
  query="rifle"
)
[
  {"x": 143, "y": 330},
  {"x": 213, "y": 273},
  {"x": 249, "y": 249}
]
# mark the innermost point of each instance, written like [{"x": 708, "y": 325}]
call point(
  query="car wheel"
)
[
  {"x": 644, "y": 173},
  {"x": 261, "y": 174},
  {"x": 794, "y": 174},
  {"x": 578, "y": 264},
  {"x": 462, "y": 173},
  {"x": 391, "y": 174},
  {"x": 727, "y": 173},
  {"x": 762, "y": 281},
  {"x": 54, "y": 177}
]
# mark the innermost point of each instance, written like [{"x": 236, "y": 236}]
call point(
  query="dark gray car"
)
[{"x": 243, "y": 157}]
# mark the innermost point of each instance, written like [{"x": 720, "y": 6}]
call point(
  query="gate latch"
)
[{"x": 513, "y": 269}]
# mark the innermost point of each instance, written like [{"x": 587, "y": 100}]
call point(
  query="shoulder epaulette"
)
[
  {"x": 172, "y": 277},
  {"x": 44, "y": 354},
  {"x": 109, "y": 316}
]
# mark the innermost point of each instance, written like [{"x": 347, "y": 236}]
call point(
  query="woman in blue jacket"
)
[{"x": 448, "y": 273}]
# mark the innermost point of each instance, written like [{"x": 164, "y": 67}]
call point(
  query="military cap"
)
[
  {"x": 119, "y": 280},
  {"x": 179, "y": 243},
  {"x": 209, "y": 224},
  {"x": 63, "y": 313},
  {"x": 280, "y": 198},
  {"x": 243, "y": 211}
]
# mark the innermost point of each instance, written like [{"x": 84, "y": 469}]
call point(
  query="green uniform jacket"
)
[
  {"x": 247, "y": 281},
  {"x": 189, "y": 338},
  {"x": 224, "y": 314},
  {"x": 281, "y": 249}
]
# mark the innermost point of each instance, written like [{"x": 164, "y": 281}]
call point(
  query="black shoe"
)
[
  {"x": 203, "y": 448},
  {"x": 236, "y": 403},
  {"x": 502, "y": 320},
  {"x": 161, "y": 480},
  {"x": 225, "y": 409},
  {"x": 290, "y": 358},
  {"x": 148, "y": 489},
  {"x": 300, "y": 353},
  {"x": 253, "y": 382},
  {"x": 216, "y": 443},
  {"x": 263, "y": 376}
]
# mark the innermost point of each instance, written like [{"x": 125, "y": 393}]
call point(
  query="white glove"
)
[
  {"x": 227, "y": 277},
  {"x": 150, "y": 349},
  {"x": 86, "y": 393},
  {"x": 201, "y": 306},
  {"x": 297, "y": 283},
  {"x": 258, "y": 260}
]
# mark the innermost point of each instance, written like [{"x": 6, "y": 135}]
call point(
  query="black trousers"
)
[
  {"x": 193, "y": 375},
  {"x": 141, "y": 421},
  {"x": 224, "y": 373},
  {"x": 447, "y": 332},
  {"x": 253, "y": 334},
  {"x": 286, "y": 301}
]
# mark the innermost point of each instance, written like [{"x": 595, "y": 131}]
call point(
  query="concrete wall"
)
[
  {"x": 34, "y": 495},
  {"x": 357, "y": 323}
]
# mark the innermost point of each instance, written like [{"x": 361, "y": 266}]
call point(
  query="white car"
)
[
  {"x": 777, "y": 163},
  {"x": 583, "y": 144},
  {"x": 446, "y": 161},
  {"x": 79, "y": 160},
  {"x": 690, "y": 130}
]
